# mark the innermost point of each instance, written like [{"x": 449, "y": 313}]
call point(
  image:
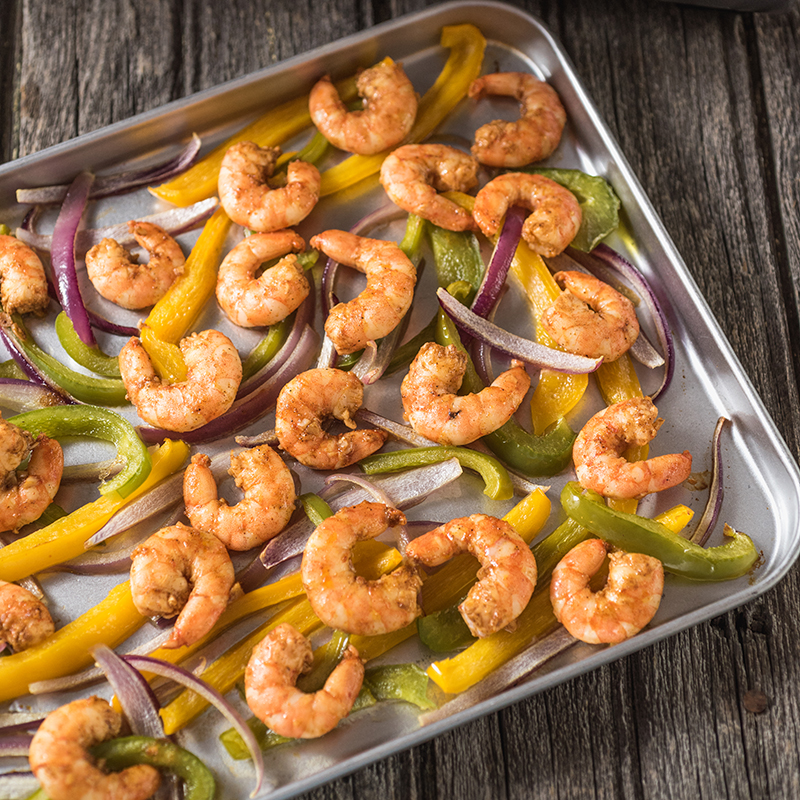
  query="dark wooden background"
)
[{"x": 706, "y": 105}]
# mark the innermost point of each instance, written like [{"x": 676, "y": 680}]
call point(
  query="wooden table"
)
[{"x": 706, "y": 106}]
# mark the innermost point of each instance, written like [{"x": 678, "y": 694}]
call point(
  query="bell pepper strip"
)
[
  {"x": 263, "y": 352},
  {"x": 315, "y": 507},
  {"x": 466, "y": 44},
  {"x": 93, "y": 358},
  {"x": 64, "y": 539},
  {"x": 444, "y": 631},
  {"x": 10, "y": 369},
  {"x": 405, "y": 682},
  {"x": 457, "y": 256}
]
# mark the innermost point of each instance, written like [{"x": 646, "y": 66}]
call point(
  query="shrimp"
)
[
  {"x": 507, "y": 576},
  {"x": 598, "y": 450},
  {"x": 25, "y": 494},
  {"x": 269, "y": 685},
  {"x": 591, "y": 318},
  {"x": 214, "y": 372},
  {"x": 391, "y": 277},
  {"x": 346, "y": 601},
  {"x": 24, "y": 620},
  {"x": 23, "y": 285},
  {"x": 414, "y": 174},
  {"x": 59, "y": 755},
  {"x": 621, "y": 609},
  {"x": 252, "y": 302},
  {"x": 390, "y": 108},
  {"x": 184, "y": 571},
  {"x": 118, "y": 276},
  {"x": 15, "y": 445},
  {"x": 434, "y": 410},
  {"x": 534, "y": 136},
  {"x": 268, "y": 503},
  {"x": 556, "y": 215},
  {"x": 303, "y": 403},
  {"x": 250, "y": 201}
]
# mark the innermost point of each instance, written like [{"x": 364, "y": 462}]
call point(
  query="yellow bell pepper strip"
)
[
  {"x": 110, "y": 622},
  {"x": 64, "y": 539},
  {"x": 466, "y": 44}
]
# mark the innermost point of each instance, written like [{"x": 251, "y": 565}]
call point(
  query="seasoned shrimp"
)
[
  {"x": 24, "y": 620},
  {"x": 269, "y": 684},
  {"x": 346, "y": 601},
  {"x": 120, "y": 278},
  {"x": 252, "y": 302},
  {"x": 414, "y": 174},
  {"x": 25, "y": 494},
  {"x": 598, "y": 450},
  {"x": 214, "y": 372},
  {"x": 15, "y": 445},
  {"x": 507, "y": 576},
  {"x": 390, "y": 108},
  {"x": 433, "y": 408},
  {"x": 591, "y": 318},
  {"x": 391, "y": 277},
  {"x": 23, "y": 285},
  {"x": 184, "y": 571},
  {"x": 302, "y": 405},
  {"x": 534, "y": 136},
  {"x": 60, "y": 759},
  {"x": 621, "y": 609},
  {"x": 250, "y": 201},
  {"x": 268, "y": 502},
  {"x": 555, "y": 217}
]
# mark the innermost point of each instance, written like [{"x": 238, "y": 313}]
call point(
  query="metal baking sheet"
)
[{"x": 763, "y": 497}]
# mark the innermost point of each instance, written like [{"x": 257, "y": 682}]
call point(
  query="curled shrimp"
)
[
  {"x": 60, "y": 759},
  {"x": 250, "y": 201},
  {"x": 413, "y": 176},
  {"x": 118, "y": 276},
  {"x": 346, "y": 601},
  {"x": 23, "y": 285},
  {"x": 24, "y": 619},
  {"x": 591, "y": 318},
  {"x": 269, "y": 683},
  {"x": 433, "y": 408},
  {"x": 302, "y": 406},
  {"x": 15, "y": 445},
  {"x": 534, "y": 136},
  {"x": 251, "y": 302},
  {"x": 268, "y": 502},
  {"x": 184, "y": 571},
  {"x": 555, "y": 217},
  {"x": 507, "y": 576},
  {"x": 621, "y": 609},
  {"x": 214, "y": 372},
  {"x": 598, "y": 449},
  {"x": 391, "y": 277},
  {"x": 390, "y": 108}
]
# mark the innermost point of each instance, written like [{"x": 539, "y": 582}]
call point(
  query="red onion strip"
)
[
  {"x": 715, "y": 491},
  {"x": 19, "y": 395}
]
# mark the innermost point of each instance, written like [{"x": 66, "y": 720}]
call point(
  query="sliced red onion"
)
[
  {"x": 19, "y": 395},
  {"x": 482, "y": 352},
  {"x": 327, "y": 354},
  {"x": 18, "y": 783},
  {"x": 715, "y": 491},
  {"x": 105, "y": 325},
  {"x": 265, "y": 437},
  {"x": 17, "y": 745},
  {"x": 19, "y": 722}
]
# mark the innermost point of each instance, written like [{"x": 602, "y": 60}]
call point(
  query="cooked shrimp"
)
[
  {"x": 346, "y": 601},
  {"x": 414, "y": 174},
  {"x": 621, "y": 609},
  {"x": 120, "y": 278},
  {"x": 184, "y": 571},
  {"x": 23, "y": 285},
  {"x": 24, "y": 620},
  {"x": 507, "y": 576},
  {"x": 269, "y": 684},
  {"x": 555, "y": 217},
  {"x": 534, "y": 136},
  {"x": 214, "y": 372},
  {"x": 60, "y": 759},
  {"x": 303, "y": 404},
  {"x": 391, "y": 277},
  {"x": 598, "y": 450},
  {"x": 390, "y": 108},
  {"x": 250, "y": 201},
  {"x": 268, "y": 502},
  {"x": 252, "y": 302},
  {"x": 15, "y": 445},
  {"x": 591, "y": 318},
  {"x": 25, "y": 494},
  {"x": 433, "y": 408}
]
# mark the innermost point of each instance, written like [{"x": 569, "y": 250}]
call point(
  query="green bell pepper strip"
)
[
  {"x": 457, "y": 256},
  {"x": 10, "y": 369},
  {"x": 315, "y": 507},
  {"x": 444, "y": 631},
  {"x": 406, "y": 682},
  {"x": 93, "y": 358},
  {"x": 641, "y": 535},
  {"x": 263, "y": 352}
]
